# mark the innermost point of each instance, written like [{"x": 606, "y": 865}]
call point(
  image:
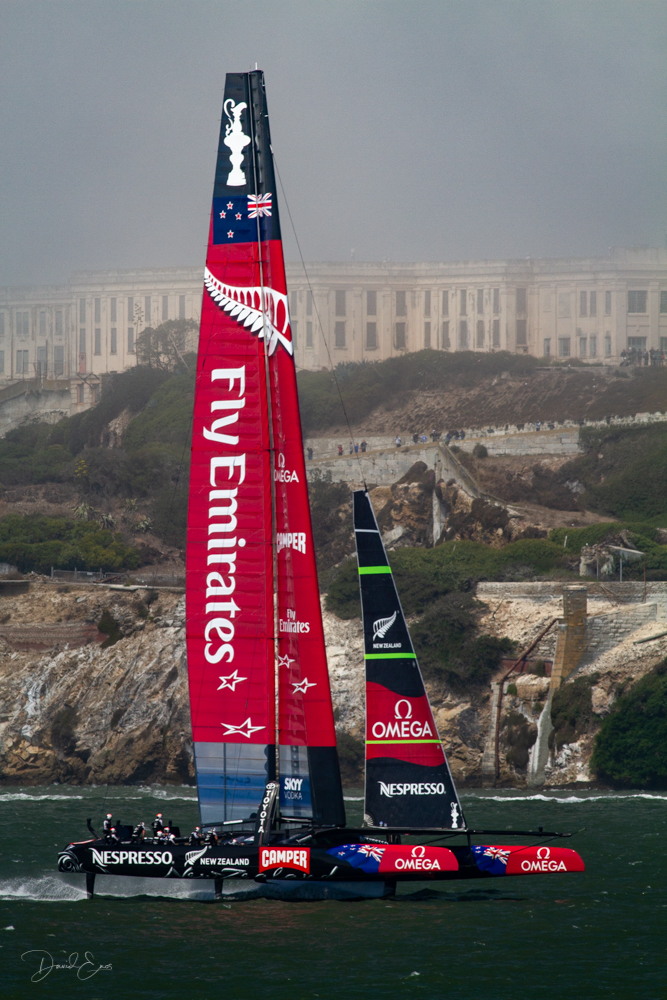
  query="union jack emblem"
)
[
  {"x": 259, "y": 205},
  {"x": 372, "y": 851},
  {"x": 497, "y": 854}
]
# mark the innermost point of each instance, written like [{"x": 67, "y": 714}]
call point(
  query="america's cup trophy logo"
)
[{"x": 236, "y": 140}]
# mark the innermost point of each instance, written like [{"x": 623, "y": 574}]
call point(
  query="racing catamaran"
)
[{"x": 268, "y": 777}]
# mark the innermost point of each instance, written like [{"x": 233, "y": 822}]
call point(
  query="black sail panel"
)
[{"x": 408, "y": 781}]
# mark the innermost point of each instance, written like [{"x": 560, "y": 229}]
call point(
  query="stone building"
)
[{"x": 591, "y": 308}]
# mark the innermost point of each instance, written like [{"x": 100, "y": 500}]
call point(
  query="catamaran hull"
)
[{"x": 352, "y": 864}]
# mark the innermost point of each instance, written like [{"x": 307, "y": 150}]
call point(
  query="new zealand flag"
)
[
  {"x": 491, "y": 859},
  {"x": 235, "y": 218},
  {"x": 367, "y": 857}
]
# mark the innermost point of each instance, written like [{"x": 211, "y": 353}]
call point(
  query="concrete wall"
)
[{"x": 603, "y": 632}]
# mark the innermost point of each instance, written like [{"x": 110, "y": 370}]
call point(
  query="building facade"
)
[{"x": 589, "y": 308}]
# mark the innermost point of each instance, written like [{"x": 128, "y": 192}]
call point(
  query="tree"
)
[{"x": 164, "y": 346}]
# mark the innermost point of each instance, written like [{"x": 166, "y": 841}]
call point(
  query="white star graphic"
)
[
  {"x": 303, "y": 686},
  {"x": 284, "y": 661},
  {"x": 230, "y": 204},
  {"x": 245, "y": 729},
  {"x": 230, "y": 234},
  {"x": 238, "y": 215},
  {"x": 223, "y": 215},
  {"x": 231, "y": 681}
]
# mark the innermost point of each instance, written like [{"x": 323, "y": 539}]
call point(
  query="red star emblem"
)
[
  {"x": 238, "y": 215},
  {"x": 223, "y": 215},
  {"x": 230, "y": 234},
  {"x": 230, "y": 204}
]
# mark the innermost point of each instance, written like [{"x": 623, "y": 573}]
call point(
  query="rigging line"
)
[{"x": 319, "y": 323}]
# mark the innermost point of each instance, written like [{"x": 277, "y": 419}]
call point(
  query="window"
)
[
  {"x": 400, "y": 335},
  {"x": 463, "y": 299},
  {"x": 293, "y": 302},
  {"x": 165, "y": 308},
  {"x": 130, "y": 340},
  {"x": 58, "y": 360},
  {"x": 309, "y": 334},
  {"x": 2, "y": 362},
  {"x": 427, "y": 335},
  {"x": 371, "y": 336},
  {"x": 22, "y": 365},
  {"x": 22, "y": 324},
  {"x": 340, "y": 303},
  {"x": 480, "y": 300},
  {"x": 444, "y": 342},
  {"x": 607, "y": 345},
  {"x": 59, "y": 324},
  {"x": 547, "y": 347},
  {"x": 147, "y": 310},
  {"x": 339, "y": 334},
  {"x": 114, "y": 304},
  {"x": 564, "y": 305},
  {"x": 42, "y": 324},
  {"x": 593, "y": 347},
  {"x": 79, "y": 392},
  {"x": 583, "y": 304},
  {"x": 293, "y": 326},
  {"x": 521, "y": 334},
  {"x": 371, "y": 303},
  {"x": 521, "y": 300},
  {"x": 82, "y": 341},
  {"x": 98, "y": 310},
  {"x": 496, "y": 301},
  {"x": 563, "y": 347},
  {"x": 607, "y": 303},
  {"x": 445, "y": 303},
  {"x": 582, "y": 347},
  {"x": 309, "y": 303},
  {"x": 637, "y": 302},
  {"x": 639, "y": 343},
  {"x": 463, "y": 335},
  {"x": 663, "y": 347},
  {"x": 663, "y": 302},
  {"x": 130, "y": 308},
  {"x": 82, "y": 310},
  {"x": 2, "y": 324},
  {"x": 480, "y": 333},
  {"x": 98, "y": 341},
  {"x": 496, "y": 333},
  {"x": 427, "y": 303},
  {"x": 181, "y": 306},
  {"x": 593, "y": 304},
  {"x": 113, "y": 349},
  {"x": 41, "y": 362},
  {"x": 401, "y": 304}
]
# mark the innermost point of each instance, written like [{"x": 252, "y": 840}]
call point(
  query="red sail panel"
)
[
  {"x": 309, "y": 772},
  {"x": 229, "y": 586}
]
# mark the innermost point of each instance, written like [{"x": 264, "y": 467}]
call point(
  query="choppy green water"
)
[{"x": 600, "y": 934}]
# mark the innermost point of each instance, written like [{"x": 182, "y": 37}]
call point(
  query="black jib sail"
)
[{"x": 408, "y": 781}]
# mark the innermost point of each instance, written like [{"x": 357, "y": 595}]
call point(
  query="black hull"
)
[{"x": 341, "y": 856}]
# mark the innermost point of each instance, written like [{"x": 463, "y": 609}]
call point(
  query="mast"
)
[{"x": 408, "y": 781}]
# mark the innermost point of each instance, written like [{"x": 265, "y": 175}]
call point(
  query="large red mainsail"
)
[{"x": 249, "y": 532}]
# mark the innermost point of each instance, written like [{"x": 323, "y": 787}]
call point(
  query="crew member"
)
[
  {"x": 139, "y": 833},
  {"x": 157, "y": 825},
  {"x": 113, "y": 836},
  {"x": 108, "y": 823},
  {"x": 195, "y": 837},
  {"x": 212, "y": 838}
]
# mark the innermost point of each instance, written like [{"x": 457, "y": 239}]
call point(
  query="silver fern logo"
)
[
  {"x": 263, "y": 310},
  {"x": 382, "y": 626}
]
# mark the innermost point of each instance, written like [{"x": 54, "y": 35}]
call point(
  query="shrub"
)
[
  {"x": 36, "y": 543},
  {"x": 572, "y": 711},
  {"x": 109, "y": 627},
  {"x": 631, "y": 746},
  {"x": 480, "y": 451},
  {"x": 62, "y": 729}
]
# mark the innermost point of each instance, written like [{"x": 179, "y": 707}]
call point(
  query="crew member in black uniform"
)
[
  {"x": 212, "y": 838},
  {"x": 158, "y": 825},
  {"x": 113, "y": 836},
  {"x": 195, "y": 837},
  {"x": 108, "y": 823},
  {"x": 139, "y": 833}
]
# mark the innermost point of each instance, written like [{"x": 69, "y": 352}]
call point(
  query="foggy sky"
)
[{"x": 403, "y": 129}]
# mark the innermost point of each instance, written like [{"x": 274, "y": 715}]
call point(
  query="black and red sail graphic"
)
[
  {"x": 247, "y": 494},
  {"x": 408, "y": 782}
]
